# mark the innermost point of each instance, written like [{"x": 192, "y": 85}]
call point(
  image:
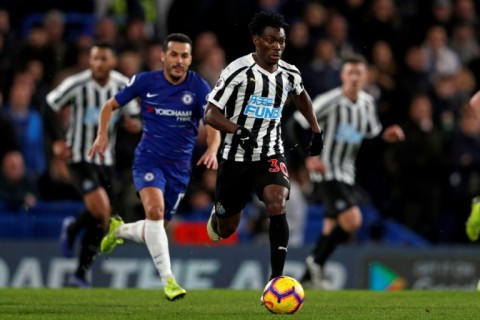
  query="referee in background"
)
[
  {"x": 347, "y": 115},
  {"x": 85, "y": 93}
]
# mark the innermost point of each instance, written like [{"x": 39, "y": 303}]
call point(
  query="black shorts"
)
[
  {"x": 236, "y": 181},
  {"x": 87, "y": 177},
  {"x": 336, "y": 196}
]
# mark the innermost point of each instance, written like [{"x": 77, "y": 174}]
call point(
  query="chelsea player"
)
[{"x": 172, "y": 105}]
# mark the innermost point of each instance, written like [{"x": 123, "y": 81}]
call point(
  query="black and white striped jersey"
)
[
  {"x": 345, "y": 124},
  {"x": 86, "y": 97},
  {"x": 254, "y": 98}
]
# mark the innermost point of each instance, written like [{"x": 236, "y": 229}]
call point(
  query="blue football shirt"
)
[{"x": 171, "y": 113}]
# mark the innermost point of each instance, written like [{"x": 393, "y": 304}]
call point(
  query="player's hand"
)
[
  {"x": 209, "y": 159},
  {"x": 60, "y": 150},
  {"x": 99, "y": 146},
  {"x": 316, "y": 144},
  {"x": 245, "y": 138},
  {"x": 132, "y": 125},
  {"x": 315, "y": 164},
  {"x": 394, "y": 133}
]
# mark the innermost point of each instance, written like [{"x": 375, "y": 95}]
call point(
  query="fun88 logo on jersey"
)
[{"x": 261, "y": 107}]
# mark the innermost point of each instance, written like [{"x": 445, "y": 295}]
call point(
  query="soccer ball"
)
[{"x": 283, "y": 295}]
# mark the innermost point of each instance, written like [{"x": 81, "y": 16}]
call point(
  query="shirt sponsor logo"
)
[
  {"x": 181, "y": 115},
  {"x": 261, "y": 107},
  {"x": 348, "y": 133}
]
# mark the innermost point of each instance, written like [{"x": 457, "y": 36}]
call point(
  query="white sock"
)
[
  {"x": 131, "y": 231},
  {"x": 157, "y": 244}
]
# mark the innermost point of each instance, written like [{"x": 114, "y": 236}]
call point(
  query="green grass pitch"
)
[{"x": 233, "y": 304}]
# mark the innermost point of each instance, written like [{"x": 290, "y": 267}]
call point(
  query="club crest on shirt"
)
[
  {"x": 149, "y": 176},
  {"x": 187, "y": 98},
  {"x": 220, "y": 84}
]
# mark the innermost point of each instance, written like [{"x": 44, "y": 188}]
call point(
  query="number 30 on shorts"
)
[{"x": 276, "y": 166}]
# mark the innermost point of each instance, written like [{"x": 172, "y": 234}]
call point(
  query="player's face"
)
[
  {"x": 354, "y": 76},
  {"x": 270, "y": 45},
  {"x": 102, "y": 61},
  {"x": 176, "y": 60}
]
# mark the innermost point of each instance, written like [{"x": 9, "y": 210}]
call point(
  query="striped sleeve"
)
[{"x": 62, "y": 94}]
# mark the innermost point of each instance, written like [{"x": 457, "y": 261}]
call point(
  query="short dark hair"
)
[
  {"x": 104, "y": 45},
  {"x": 355, "y": 58},
  {"x": 263, "y": 19},
  {"x": 177, "y": 37}
]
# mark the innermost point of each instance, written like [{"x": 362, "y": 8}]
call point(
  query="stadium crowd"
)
[{"x": 424, "y": 66}]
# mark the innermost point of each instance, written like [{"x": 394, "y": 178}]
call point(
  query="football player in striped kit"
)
[
  {"x": 348, "y": 115},
  {"x": 86, "y": 92},
  {"x": 246, "y": 106}
]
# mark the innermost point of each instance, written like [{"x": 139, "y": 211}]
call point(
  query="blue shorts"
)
[{"x": 169, "y": 176}]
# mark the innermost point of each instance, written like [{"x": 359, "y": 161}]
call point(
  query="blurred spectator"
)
[
  {"x": 54, "y": 25},
  {"x": 416, "y": 165},
  {"x": 315, "y": 17},
  {"x": 412, "y": 80},
  {"x": 337, "y": 32},
  {"x": 106, "y": 30},
  {"x": 8, "y": 142},
  {"x": 382, "y": 24},
  {"x": 129, "y": 63},
  {"x": 464, "y": 11},
  {"x": 136, "y": 36},
  {"x": 29, "y": 129},
  {"x": 211, "y": 67},
  {"x": 37, "y": 47},
  {"x": 16, "y": 188},
  {"x": 297, "y": 50},
  {"x": 323, "y": 72},
  {"x": 464, "y": 179},
  {"x": 464, "y": 42},
  {"x": 440, "y": 59},
  {"x": 203, "y": 44},
  {"x": 153, "y": 57}
]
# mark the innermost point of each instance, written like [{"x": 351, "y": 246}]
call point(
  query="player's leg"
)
[
  {"x": 472, "y": 226},
  {"x": 233, "y": 188},
  {"x": 157, "y": 241},
  {"x": 88, "y": 180},
  {"x": 342, "y": 218},
  {"x": 96, "y": 202},
  {"x": 272, "y": 187},
  {"x": 274, "y": 197}
]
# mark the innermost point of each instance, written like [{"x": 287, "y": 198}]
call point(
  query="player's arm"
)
[
  {"x": 209, "y": 157},
  {"x": 304, "y": 105},
  {"x": 215, "y": 118},
  {"x": 101, "y": 142}
]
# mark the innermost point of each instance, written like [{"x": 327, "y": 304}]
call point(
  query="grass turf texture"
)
[{"x": 233, "y": 304}]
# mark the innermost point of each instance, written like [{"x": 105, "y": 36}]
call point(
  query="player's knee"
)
[
  {"x": 276, "y": 207},
  {"x": 154, "y": 212}
]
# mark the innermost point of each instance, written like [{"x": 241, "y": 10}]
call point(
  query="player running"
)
[
  {"x": 172, "y": 105},
  {"x": 246, "y": 105}
]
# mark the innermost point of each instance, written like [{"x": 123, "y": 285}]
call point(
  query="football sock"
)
[
  {"x": 278, "y": 235},
  {"x": 82, "y": 220},
  {"x": 327, "y": 244},
  {"x": 131, "y": 231},
  {"x": 89, "y": 248},
  {"x": 157, "y": 244}
]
